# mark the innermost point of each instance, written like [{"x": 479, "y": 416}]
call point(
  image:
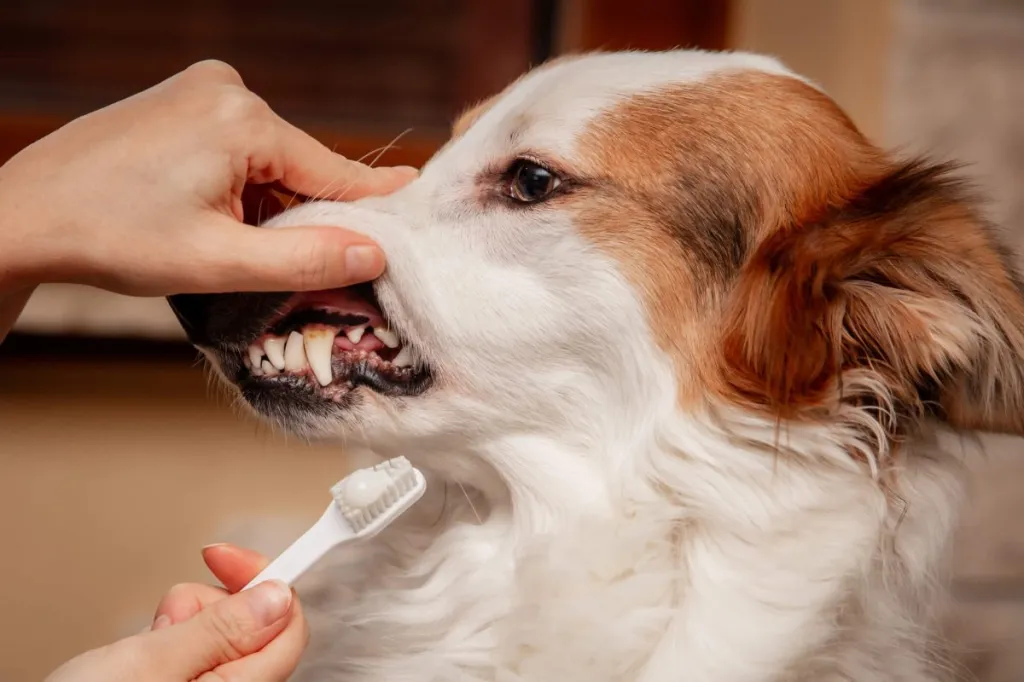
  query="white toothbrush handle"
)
[{"x": 324, "y": 535}]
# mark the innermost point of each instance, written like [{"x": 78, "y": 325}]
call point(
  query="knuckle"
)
[
  {"x": 179, "y": 590},
  {"x": 234, "y": 105},
  {"x": 241, "y": 111},
  {"x": 178, "y": 595},
  {"x": 215, "y": 70},
  {"x": 229, "y": 635}
]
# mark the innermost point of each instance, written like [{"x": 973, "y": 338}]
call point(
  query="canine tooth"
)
[
  {"x": 404, "y": 358},
  {"x": 274, "y": 348},
  {"x": 355, "y": 334},
  {"x": 255, "y": 355},
  {"x": 294, "y": 353},
  {"x": 318, "y": 344},
  {"x": 389, "y": 338},
  {"x": 268, "y": 369}
]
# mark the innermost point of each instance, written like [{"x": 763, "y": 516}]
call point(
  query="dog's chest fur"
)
[{"x": 826, "y": 582}]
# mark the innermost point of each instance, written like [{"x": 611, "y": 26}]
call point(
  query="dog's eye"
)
[{"x": 531, "y": 182}]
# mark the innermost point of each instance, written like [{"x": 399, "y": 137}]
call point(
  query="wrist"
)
[{"x": 26, "y": 233}]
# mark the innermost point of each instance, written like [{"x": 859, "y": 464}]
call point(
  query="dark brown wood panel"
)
[
  {"x": 381, "y": 64},
  {"x": 649, "y": 24},
  {"x": 356, "y": 72}
]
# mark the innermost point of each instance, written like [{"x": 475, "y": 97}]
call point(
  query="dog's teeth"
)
[
  {"x": 389, "y": 338},
  {"x": 268, "y": 369},
  {"x": 355, "y": 334},
  {"x": 294, "y": 353},
  {"x": 404, "y": 358},
  {"x": 319, "y": 344},
  {"x": 255, "y": 355},
  {"x": 274, "y": 348}
]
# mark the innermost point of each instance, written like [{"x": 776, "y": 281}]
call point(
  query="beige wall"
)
[
  {"x": 840, "y": 44},
  {"x": 112, "y": 477}
]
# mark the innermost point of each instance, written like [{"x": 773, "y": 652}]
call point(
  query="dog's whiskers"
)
[
  {"x": 380, "y": 151},
  {"x": 470, "y": 501},
  {"x": 328, "y": 188}
]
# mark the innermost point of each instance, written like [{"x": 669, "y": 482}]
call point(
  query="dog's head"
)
[{"x": 615, "y": 230}]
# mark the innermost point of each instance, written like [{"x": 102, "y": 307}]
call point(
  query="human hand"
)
[
  {"x": 144, "y": 197},
  {"x": 201, "y": 633}
]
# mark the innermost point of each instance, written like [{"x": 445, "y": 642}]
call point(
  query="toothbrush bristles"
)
[{"x": 386, "y": 482}]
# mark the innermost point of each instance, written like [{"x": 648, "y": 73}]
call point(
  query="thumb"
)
[
  {"x": 239, "y": 257},
  {"x": 233, "y": 628}
]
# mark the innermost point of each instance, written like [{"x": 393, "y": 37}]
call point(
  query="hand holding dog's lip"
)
[{"x": 146, "y": 197}]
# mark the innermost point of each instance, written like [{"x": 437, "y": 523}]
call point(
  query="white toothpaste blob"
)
[
  {"x": 365, "y": 486},
  {"x": 365, "y": 502}
]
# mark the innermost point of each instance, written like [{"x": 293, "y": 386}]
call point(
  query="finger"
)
[
  {"x": 276, "y": 661},
  {"x": 230, "y": 629},
  {"x": 232, "y": 256},
  {"x": 233, "y": 566},
  {"x": 304, "y": 165},
  {"x": 184, "y": 601}
]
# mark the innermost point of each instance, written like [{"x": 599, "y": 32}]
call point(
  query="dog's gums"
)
[{"x": 328, "y": 343}]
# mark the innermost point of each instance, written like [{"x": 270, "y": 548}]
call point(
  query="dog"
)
[{"x": 688, "y": 363}]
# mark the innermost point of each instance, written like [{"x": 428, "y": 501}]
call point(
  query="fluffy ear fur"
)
[{"x": 901, "y": 302}]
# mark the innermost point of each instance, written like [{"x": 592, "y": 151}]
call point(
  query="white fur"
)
[{"x": 579, "y": 526}]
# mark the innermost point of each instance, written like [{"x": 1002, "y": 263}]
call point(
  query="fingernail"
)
[
  {"x": 406, "y": 169},
  {"x": 269, "y": 601},
  {"x": 162, "y": 621},
  {"x": 363, "y": 262},
  {"x": 216, "y": 544}
]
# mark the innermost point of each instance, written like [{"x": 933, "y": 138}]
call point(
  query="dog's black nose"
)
[{"x": 225, "y": 320}]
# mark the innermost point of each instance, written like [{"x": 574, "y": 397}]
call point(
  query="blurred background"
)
[{"x": 118, "y": 462}]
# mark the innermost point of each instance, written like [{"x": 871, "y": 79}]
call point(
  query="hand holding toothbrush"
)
[
  {"x": 254, "y": 630},
  {"x": 205, "y": 633}
]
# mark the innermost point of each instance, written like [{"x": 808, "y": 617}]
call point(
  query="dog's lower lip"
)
[{"x": 350, "y": 370}]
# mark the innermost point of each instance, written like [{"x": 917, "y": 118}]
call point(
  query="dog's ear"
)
[{"x": 901, "y": 301}]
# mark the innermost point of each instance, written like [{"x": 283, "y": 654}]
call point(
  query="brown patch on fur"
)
[
  {"x": 702, "y": 172},
  {"x": 789, "y": 266},
  {"x": 470, "y": 116}
]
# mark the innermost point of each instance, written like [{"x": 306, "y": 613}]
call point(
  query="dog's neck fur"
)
[{"x": 569, "y": 573}]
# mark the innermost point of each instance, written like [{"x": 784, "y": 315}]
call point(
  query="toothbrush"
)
[{"x": 365, "y": 502}]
